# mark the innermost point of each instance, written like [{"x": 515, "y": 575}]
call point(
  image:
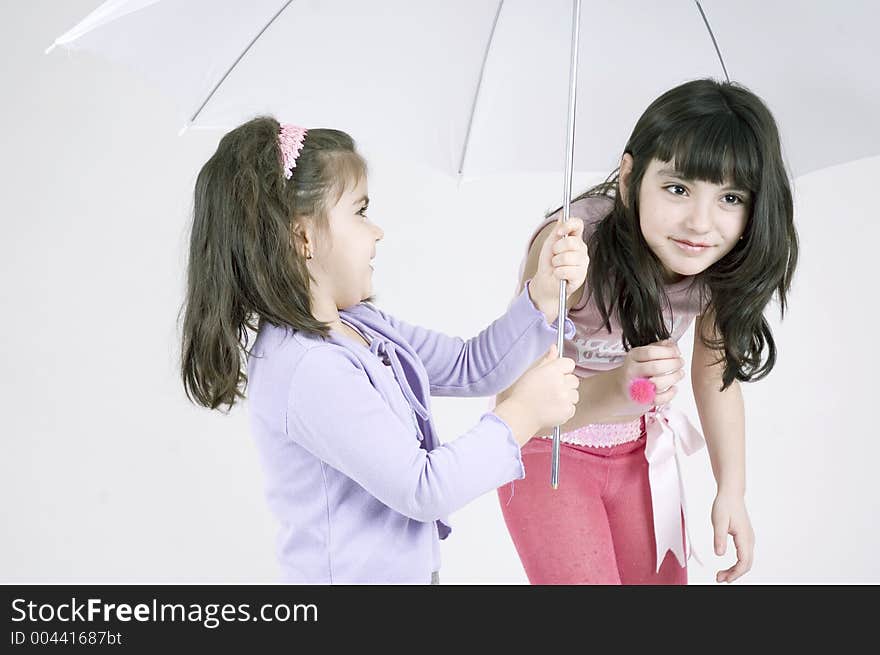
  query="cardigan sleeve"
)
[
  {"x": 334, "y": 412},
  {"x": 489, "y": 362}
]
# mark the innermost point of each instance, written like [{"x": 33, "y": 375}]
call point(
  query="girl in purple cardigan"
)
[{"x": 339, "y": 392}]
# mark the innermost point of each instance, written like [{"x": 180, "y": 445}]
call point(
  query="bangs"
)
[
  {"x": 717, "y": 148},
  {"x": 347, "y": 168}
]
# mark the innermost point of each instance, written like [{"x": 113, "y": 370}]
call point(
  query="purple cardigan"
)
[{"x": 355, "y": 472}]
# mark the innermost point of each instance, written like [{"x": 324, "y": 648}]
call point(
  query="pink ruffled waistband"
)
[{"x": 602, "y": 435}]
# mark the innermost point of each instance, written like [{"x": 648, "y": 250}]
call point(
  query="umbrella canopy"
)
[{"x": 480, "y": 86}]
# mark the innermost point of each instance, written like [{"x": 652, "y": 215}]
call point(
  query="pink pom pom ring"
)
[{"x": 642, "y": 391}]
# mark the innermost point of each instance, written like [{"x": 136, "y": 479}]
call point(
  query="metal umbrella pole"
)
[{"x": 566, "y": 212}]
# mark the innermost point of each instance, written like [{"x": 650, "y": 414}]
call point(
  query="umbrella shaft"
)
[{"x": 566, "y": 210}]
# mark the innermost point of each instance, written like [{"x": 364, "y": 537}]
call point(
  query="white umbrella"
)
[{"x": 479, "y": 86}]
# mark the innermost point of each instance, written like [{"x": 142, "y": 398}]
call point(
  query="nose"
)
[
  {"x": 699, "y": 219},
  {"x": 380, "y": 233}
]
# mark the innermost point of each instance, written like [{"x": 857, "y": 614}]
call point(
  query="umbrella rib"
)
[
  {"x": 714, "y": 42},
  {"x": 467, "y": 136},
  {"x": 235, "y": 63}
]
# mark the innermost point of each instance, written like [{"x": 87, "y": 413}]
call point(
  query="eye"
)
[
  {"x": 676, "y": 189},
  {"x": 733, "y": 199},
  {"x": 362, "y": 211}
]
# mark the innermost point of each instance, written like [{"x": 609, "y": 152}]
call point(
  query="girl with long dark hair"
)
[{"x": 695, "y": 225}]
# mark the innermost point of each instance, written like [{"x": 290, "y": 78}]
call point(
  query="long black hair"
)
[{"x": 717, "y": 132}]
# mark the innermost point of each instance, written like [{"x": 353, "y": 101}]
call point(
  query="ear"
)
[
  {"x": 626, "y": 167},
  {"x": 301, "y": 238}
]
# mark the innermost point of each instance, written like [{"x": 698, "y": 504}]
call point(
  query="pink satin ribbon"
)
[{"x": 666, "y": 427}]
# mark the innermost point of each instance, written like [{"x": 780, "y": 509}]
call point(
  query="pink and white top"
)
[{"x": 593, "y": 348}]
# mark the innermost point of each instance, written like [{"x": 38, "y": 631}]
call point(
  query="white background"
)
[{"x": 108, "y": 474}]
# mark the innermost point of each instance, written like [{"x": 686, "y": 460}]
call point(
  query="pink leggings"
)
[{"x": 597, "y": 527}]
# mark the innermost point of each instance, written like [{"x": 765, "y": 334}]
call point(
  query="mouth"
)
[{"x": 691, "y": 246}]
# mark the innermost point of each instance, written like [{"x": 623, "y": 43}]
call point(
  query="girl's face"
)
[
  {"x": 688, "y": 224},
  {"x": 342, "y": 263}
]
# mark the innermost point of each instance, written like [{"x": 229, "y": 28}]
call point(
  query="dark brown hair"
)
[
  {"x": 712, "y": 131},
  {"x": 243, "y": 266}
]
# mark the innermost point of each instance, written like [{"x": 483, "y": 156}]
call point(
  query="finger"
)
[
  {"x": 744, "y": 554},
  {"x": 569, "y": 244},
  {"x": 658, "y": 367},
  {"x": 664, "y": 343},
  {"x": 666, "y": 396},
  {"x": 669, "y": 341},
  {"x": 563, "y": 244},
  {"x": 547, "y": 247},
  {"x": 723, "y": 576},
  {"x": 721, "y": 539},
  {"x": 574, "y": 226},
  {"x": 655, "y": 351},
  {"x": 569, "y": 273},
  {"x": 569, "y": 258},
  {"x": 564, "y": 364},
  {"x": 551, "y": 354},
  {"x": 663, "y": 382},
  {"x": 736, "y": 571},
  {"x": 572, "y": 381}
]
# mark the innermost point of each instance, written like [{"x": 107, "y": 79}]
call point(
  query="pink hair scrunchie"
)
[{"x": 290, "y": 141}]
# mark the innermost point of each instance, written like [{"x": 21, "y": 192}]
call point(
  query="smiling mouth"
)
[{"x": 690, "y": 246}]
